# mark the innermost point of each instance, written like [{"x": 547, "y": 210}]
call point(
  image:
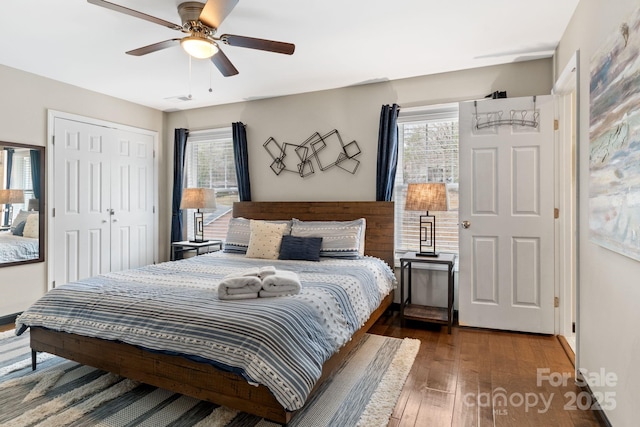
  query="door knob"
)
[{"x": 466, "y": 224}]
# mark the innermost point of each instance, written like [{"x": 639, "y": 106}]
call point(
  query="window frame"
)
[
  {"x": 433, "y": 113},
  {"x": 215, "y": 135}
]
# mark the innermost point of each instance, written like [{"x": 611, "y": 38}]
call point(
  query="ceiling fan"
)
[{"x": 201, "y": 21}]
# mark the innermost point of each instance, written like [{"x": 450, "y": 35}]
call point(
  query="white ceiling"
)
[{"x": 339, "y": 43}]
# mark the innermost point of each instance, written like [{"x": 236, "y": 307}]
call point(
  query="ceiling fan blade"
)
[
  {"x": 261, "y": 44},
  {"x": 135, "y": 13},
  {"x": 215, "y": 11},
  {"x": 154, "y": 47},
  {"x": 223, "y": 64}
]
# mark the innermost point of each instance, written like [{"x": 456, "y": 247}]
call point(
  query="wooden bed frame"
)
[{"x": 201, "y": 380}]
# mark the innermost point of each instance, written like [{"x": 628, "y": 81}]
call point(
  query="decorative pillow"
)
[
  {"x": 239, "y": 233},
  {"x": 300, "y": 248},
  {"x": 340, "y": 239},
  {"x": 265, "y": 239},
  {"x": 19, "y": 229},
  {"x": 22, "y": 216},
  {"x": 31, "y": 226}
]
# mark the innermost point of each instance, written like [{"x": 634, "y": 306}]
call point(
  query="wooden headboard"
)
[{"x": 379, "y": 216}]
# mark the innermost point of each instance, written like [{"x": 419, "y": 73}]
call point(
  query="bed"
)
[
  {"x": 228, "y": 384},
  {"x": 17, "y": 248}
]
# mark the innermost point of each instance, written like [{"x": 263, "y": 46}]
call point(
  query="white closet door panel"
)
[
  {"x": 81, "y": 200},
  {"x": 132, "y": 222}
]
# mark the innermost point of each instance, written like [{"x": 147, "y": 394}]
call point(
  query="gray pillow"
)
[
  {"x": 22, "y": 216},
  {"x": 18, "y": 230}
]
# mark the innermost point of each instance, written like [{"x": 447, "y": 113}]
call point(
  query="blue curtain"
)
[
  {"x": 241, "y": 158},
  {"x": 180, "y": 144},
  {"x": 387, "y": 152},
  {"x": 35, "y": 172},
  {"x": 9, "y": 167}
]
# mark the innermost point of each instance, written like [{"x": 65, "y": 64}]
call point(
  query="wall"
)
[
  {"x": 23, "y": 109},
  {"x": 609, "y": 290},
  {"x": 355, "y": 112}
]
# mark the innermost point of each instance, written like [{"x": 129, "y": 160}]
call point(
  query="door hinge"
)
[
  {"x": 154, "y": 210},
  {"x": 53, "y": 212},
  {"x": 556, "y": 302},
  {"x": 573, "y": 327},
  {"x": 53, "y": 284},
  {"x": 53, "y": 140},
  {"x": 556, "y": 124},
  {"x": 154, "y": 154},
  {"x": 556, "y": 213}
]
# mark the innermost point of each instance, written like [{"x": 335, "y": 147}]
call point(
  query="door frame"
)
[
  {"x": 567, "y": 194},
  {"x": 52, "y": 115}
]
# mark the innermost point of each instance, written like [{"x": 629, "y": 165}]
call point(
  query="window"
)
[
  {"x": 427, "y": 152},
  {"x": 21, "y": 178},
  {"x": 209, "y": 163}
]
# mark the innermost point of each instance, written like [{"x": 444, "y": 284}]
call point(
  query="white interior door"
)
[
  {"x": 103, "y": 197},
  {"x": 506, "y": 201},
  {"x": 132, "y": 201},
  {"x": 81, "y": 200}
]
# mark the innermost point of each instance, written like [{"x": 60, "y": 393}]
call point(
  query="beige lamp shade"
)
[
  {"x": 198, "y": 198},
  {"x": 430, "y": 196},
  {"x": 11, "y": 196}
]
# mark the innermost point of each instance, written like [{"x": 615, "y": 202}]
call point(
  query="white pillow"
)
[
  {"x": 32, "y": 226},
  {"x": 340, "y": 239},
  {"x": 265, "y": 239}
]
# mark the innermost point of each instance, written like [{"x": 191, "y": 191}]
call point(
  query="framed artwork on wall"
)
[{"x": 614, "y": 141}]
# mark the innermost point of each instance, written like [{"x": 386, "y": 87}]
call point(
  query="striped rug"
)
[{"x": 63, "y": 393}]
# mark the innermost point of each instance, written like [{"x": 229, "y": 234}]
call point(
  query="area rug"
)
[{"x": 363, "y": 392}]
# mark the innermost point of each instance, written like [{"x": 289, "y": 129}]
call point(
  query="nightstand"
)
[
  {"x": 200, "y": 247},
  {"x": 425, "y": 313}
]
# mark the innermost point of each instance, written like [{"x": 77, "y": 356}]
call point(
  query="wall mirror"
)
[{"x": 21, "y": 203}]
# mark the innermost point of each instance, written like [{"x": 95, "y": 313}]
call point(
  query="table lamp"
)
[
  {"x": 9, "y": 197},
  {"x": 430, "y": 196},
  {"x": 198, "y": 198}
]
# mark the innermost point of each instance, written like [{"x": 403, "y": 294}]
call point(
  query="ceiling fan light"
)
[{"x": 199, "y": 47}]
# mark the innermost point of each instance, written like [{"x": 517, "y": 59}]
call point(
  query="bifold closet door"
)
[
  {"x": 132, "y": 201},
  {"x": 103, "y": 199},
  {"x": 81, "y": 200}
]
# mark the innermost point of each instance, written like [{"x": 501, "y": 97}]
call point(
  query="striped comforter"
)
[
  {"x": 17, "y": 248},
  {"x": 174, "y": 307}
]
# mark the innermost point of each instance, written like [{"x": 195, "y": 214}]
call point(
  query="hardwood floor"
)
[{"x": 456, "y": 377}]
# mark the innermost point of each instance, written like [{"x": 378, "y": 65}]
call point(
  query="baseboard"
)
[
  {"x": 11, "y": 318},
  {"x": 567, "y": 349},
  {"x": 597, "y": 411}
]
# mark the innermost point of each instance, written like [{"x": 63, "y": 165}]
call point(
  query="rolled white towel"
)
[
  {"x": 265, "y": 271},
  {"x": 238, "y": 286},
  {"x": 281, "y": 283}
]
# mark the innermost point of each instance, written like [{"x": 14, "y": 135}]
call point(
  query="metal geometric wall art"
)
[{"x": 327, "y": 150}]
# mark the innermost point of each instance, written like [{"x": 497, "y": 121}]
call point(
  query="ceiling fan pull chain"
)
[
  {"x": 210, "y": 72},
  {"x": 189, "y": 76}
]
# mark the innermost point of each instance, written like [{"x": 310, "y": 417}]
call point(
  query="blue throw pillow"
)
[
  {"x": 19, "y": 229},
  {"x": 300, "y": 248}
]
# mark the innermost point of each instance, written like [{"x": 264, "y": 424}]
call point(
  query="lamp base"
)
[{"x": 428, "y": 254}]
